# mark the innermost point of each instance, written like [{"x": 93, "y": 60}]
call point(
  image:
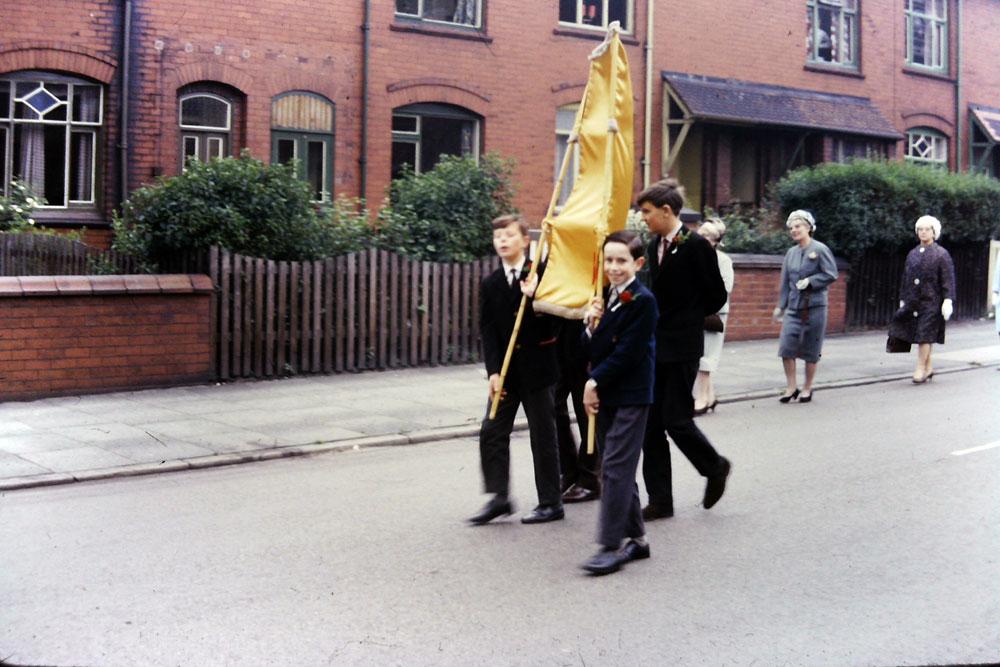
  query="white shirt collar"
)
[
  {"x": 621, "y": 288},
  {"x": 517, "y": 267}
]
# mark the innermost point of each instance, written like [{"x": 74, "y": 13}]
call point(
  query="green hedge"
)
[
  {"x": 874, "y": 204},
  {"x": 444, "y": 214},
  {"x": 240, "y": 204}
]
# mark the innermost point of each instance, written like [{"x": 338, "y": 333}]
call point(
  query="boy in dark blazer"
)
[
  {"x": 530, "y": 380},
  {"x": 621, "y": 349},
  {"x": 685, "y": 279}
]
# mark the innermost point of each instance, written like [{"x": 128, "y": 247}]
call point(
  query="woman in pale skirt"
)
[{"x": 712, "y": 231}]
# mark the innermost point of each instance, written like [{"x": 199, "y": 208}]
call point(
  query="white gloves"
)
[
  {"x": 776, "y": 314},
  {"x": 802, "y": 283},
  {"x": 946, "y": 309},
  {"x": 901, "y": 302},
  {"x": 996, "y": 298}
]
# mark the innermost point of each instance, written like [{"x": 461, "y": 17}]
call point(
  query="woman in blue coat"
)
[{"x": 807, "y": 272}]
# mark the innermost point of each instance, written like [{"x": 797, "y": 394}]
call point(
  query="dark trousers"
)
[
  {"x": 620, "y": 432},
  {"x": 673, "y": 412},
  {"x": 494, "y": 442},
  {"x": 576, "y": 465}
]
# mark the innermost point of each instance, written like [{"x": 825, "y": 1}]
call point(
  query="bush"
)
[
  {"x": 874, "y": 204},
  {"x": 16, "y": 210},
  {"x": 238, "y": 203},
  {"x": 444, "y": 214},
  {"x": 753, "y": 230}
]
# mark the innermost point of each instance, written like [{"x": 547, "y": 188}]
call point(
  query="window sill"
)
[
  {"x": 834, "y": 69},
  {"x": 597, "y": 35},
  {"x": 70, "y": 218},
  {"x": 434, "y": 30},
  {"x": 928, "y": 73}
]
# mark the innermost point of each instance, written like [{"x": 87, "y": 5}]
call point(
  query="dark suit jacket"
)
[
  {"x": 622, "y": 349},
  {"x": 687, "y": 286},
  {"x": 533, "y": 364}
]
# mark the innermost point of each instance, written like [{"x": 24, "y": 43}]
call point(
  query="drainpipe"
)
[
  {"x": 648, "y": 114},
  {"x": 366, "y": 29},
  {"x": 958, "y": 88},
  {"x": 125, "y": 60}
]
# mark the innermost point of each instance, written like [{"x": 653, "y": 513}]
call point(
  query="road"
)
[{"x": 852, "y": 533}]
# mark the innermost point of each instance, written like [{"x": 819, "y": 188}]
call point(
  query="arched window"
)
[
  {"x": 50, "y": 131},
  {"x": 206, "y": 117},
  {"x": 302, "y": 129},
  {"x": 422, "y": 133},
  {"x": 926, "y": 146}
]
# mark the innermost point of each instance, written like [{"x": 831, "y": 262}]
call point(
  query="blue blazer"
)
[{"x": 622, "y": 350}]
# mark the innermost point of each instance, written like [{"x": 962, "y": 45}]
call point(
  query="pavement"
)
[{"x": 80, "y": 438}]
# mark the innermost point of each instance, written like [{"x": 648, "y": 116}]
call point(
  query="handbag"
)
[
  {"x": 894, "y": 345},
  {"x": 714, "y": 323}
]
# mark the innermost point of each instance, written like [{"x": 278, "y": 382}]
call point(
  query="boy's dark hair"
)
[
  {"x": 505, "y": 221},
  {"x": 668, "y": 192},
  {"x": 628, "y": 239}
]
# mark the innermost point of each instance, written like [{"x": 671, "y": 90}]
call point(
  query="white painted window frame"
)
[
  {"x": 420, "y": 15},
  {"x": 626, "y": 29},
  {"x": 206, "y": 128},
  {"x": 813, "y": 6},
  {"x": 938, "y": 146}
]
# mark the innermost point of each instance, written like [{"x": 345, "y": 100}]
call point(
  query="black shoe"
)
[
  {"x": 580, "y": 494},
  {"x": 498, "y": 506},
  {"x": 544, "y": 514},
  {"x": 716, "y": 485},
  {"x": 605, "y": 561},
  {"x": 785, "y": 398},
  {"x": 654, "y": 511},
  {"x": 634, "y": 551},
  {"x": 806, "y": 398}
]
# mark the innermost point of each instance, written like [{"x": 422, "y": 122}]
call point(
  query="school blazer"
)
[
  {"x": 622, "y": 350},
  {"x": 688, "y": 286},
  {"x": 533, "y": 364}
]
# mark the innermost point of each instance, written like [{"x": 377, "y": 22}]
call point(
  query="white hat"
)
[
  {"x": 929, "y": 220},
  {"x": 803, "y": 215}
]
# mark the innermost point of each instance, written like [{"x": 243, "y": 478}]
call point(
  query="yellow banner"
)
[{"x": 602, "y": 191}]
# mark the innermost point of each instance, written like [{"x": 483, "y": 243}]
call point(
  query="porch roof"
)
[
  {"x": 989, "y": 120},
  {"x": 747, "y": 103}
]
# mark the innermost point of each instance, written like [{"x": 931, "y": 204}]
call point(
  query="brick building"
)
[{"x": 728, "y": 95}]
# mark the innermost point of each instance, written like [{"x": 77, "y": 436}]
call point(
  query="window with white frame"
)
[
  {"x": 458, "y": 12},
  {"x": 565, "y": 118},
  {"x": 927, "y": 33},
  {"x": 832, "y": 32},
  {"x": 926, "y": 146},
  {"x": 50, "y": 128},
  {"x": 422, "y": 133},
  {"x": 302, "y": 131},
  {"x": 596, "y": 13},
  {"x": 206, "y": 123}
]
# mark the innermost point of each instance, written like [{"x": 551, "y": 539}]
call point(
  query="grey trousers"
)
[{"x": 620, "y": 433}]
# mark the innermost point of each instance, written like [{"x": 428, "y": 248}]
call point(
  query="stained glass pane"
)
[{"x": 41, "y": 101}]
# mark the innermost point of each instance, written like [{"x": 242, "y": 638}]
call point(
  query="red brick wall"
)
[
  {"x": 77, "y": 334},
  {"x": 755, "y": 294},
  {"x": 515, "y": 73}
]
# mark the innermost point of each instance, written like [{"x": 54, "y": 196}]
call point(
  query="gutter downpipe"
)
[
  {"x": 366, "y": 28},
  {"x": 958, "y": 90},
  {"x": 648, "y": 113},
  {"x": 123, "y": 110}
]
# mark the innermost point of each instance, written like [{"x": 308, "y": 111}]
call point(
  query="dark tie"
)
[{"x": 513, "y": 277}]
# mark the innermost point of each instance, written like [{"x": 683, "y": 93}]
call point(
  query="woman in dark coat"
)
[{"x": 925, "y": 296}]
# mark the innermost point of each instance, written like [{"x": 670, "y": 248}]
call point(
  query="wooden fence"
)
[
  {"x": 366, "y": 310},
  {"x": 49, "y": 255},
  {"x": 873, "y": 289}
]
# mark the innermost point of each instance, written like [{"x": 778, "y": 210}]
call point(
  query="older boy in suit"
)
[
  {"x": 685, "y": 279},
  {"x": 530, "y": 380},
  {"x": 621, "y": 349}
]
